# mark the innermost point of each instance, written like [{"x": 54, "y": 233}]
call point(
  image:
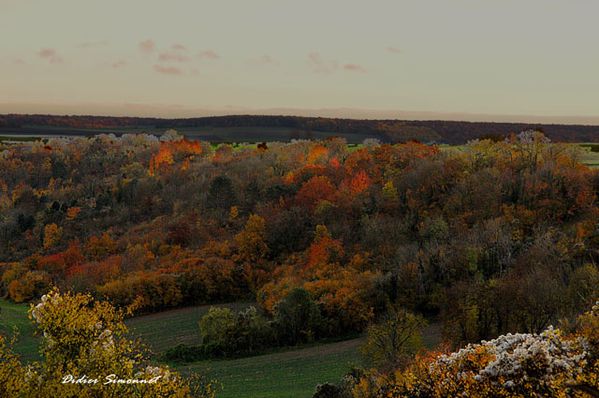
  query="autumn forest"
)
[{"x": 326, "y": 240}]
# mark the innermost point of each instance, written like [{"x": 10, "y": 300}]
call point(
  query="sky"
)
[{"x": 466, "y": 59}]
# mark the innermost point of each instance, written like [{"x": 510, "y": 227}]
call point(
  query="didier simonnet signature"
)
[{"x": 108, "y": 379}]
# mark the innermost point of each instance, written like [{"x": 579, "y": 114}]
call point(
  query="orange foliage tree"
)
[
  {"x": 314, "y": 190},
  {"x": 170, "y": 150}
]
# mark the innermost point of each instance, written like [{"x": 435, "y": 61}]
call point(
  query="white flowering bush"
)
[
  {"x": 549, "y": 364},
  {"x": 516, "y": 363}
]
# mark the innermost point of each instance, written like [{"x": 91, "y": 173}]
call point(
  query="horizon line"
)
[{"x": 163, "y": 111}]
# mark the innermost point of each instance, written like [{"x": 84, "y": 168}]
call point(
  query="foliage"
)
[
  {"x": 251, "y": 241},
  {"x": 52, "y": 235},
  {"x": 85, "y": 339},
  {"x": 465, "y": 233},
  {"x": 394, "y": 340},
  {"x": 298, "y": 317},
  {"x": 216, "y": 325},
  {"x": 225, "y": 333},
  {"x": 221, "y": 193},
  {"x": 512, "y": 365},
  {"x": 29, "y": 286}
]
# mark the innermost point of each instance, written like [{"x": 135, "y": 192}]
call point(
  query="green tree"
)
[
  {"x": 298, "y": 317},
  {"x": 395, "y": 339},
  {"x": 253, "y": 331},
  {"x": 216, "y": 326}
]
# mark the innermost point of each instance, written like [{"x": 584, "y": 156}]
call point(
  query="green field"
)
[
  {"x": 17, "y": 138},
  {"x": 590, "y": 155},
  {"x": 13, "y": 318},
  {"x": 158, "y": 331},
  {"x": 167, "y": 329},
  {"x": 290, "y": 374}
]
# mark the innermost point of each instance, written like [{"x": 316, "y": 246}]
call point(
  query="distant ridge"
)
[{"x": 285, "y": 128}]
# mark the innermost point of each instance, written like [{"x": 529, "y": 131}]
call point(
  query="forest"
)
[{"x": 497, "y": 241}]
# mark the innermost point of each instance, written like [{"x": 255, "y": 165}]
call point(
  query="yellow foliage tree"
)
[
  {"x": 86, "y": 353},
  {"x": 251, "y": 241},
  {"x": 52, "y": 235}
]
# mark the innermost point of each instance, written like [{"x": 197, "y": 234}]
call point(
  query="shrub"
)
[
  {"x": 298, "y": 318},
  {"x": 31, "y": 285},
  {"x": 217, "y": 326},
  {"x": 84, "y": 338},
  {"x": 327, "y": 390},
  {"x": 225, "y": 333},
  {"x": 548, "y": 364},
  {"x": 394, "y": 340}
]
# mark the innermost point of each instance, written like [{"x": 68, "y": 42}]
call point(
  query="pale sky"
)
[{"x": 372, "y": 58}]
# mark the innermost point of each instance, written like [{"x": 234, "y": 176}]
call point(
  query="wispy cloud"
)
[
  {"x": 50, "y": 55},
  {"x": 354, "y": 68},
  {"x": 177, "y": 53},
  {"x": 323, "y": 65},
  {"x": 168, "y": 70},
  {"x": 119, "y": 64},
  {"x": 267, "y": 60},
  {"x": 172, "y": 56},
  {"x": 208, "y": 54},
  {"x": 320, "y": 65},
  {"x": 93, "y": 44},
  {"x": 147, "y": 46},
  {"x": 393, "y": 50}
]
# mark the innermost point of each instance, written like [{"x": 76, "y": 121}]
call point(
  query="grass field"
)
[
  {"x": 159, "y": 331},
  {"x": 13, "y": 318},
  {"x": 167, "y": 329},
  {"x": 590, "y": 155},
  {"x": 18, "y": 138},
  {"x": 292, "y": 373},
  {"x": 289, "y": 374}
]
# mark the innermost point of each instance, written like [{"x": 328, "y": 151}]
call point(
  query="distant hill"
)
[{"x": 285, "y": 128}]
